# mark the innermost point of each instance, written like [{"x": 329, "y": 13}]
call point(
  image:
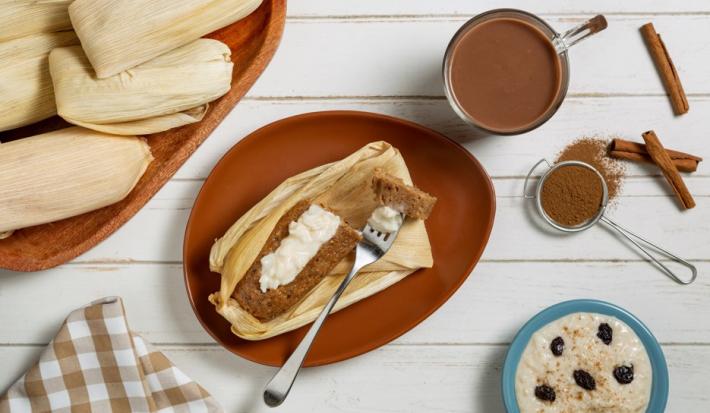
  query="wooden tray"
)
[{"x": 253, "y": 41}]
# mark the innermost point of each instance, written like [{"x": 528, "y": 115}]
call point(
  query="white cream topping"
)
[
  {"x": 305, "y": 237},
  {"x": 385, "y": 219},
  {"x": 584, "y": 350}
]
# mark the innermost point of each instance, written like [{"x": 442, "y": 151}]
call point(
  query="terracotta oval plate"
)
[
  {"x": 458, "y": 228},
  {"x": 253, "y": 41}
]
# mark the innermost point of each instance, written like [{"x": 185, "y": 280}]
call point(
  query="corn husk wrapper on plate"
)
[
  {"x": 120, "y": 34},
  {"x": 20, "y": 18},
  {"x": 25, "y": 84},
  {"x": 343, "y": 186},
  {"x": 169, "y": 91},
  {"x": 65, "y": 173}
]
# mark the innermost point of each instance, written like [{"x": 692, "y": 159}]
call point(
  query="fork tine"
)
[{"x": 383, "y": 240}]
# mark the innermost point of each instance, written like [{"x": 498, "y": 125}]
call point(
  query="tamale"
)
[
  {"x": 344, "y": 186},
  {"x": 65, "y": 173},
  {"x": 120, "y": 34},
  {"x": 169, "y": 91},
  {"x": 21, "y": 18},
  {"x": 25, "y": 85}
]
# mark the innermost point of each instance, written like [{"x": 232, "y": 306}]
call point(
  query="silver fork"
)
[{"x": 372, "y": 247}]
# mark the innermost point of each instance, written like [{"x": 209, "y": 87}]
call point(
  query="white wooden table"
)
[{"x": 385, "y": 56}]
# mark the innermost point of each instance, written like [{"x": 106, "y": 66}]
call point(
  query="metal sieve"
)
[{"x": 642, "y": 244}]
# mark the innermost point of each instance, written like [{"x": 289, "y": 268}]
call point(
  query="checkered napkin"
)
[{"x": 95, "y": 364}]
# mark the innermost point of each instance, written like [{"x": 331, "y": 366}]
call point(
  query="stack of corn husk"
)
[
  {"x": 344, "y": 187},
  {"x": 141, "y": 68}
]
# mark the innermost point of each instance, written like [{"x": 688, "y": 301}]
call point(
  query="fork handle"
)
[{"x": 277, "y": 389}]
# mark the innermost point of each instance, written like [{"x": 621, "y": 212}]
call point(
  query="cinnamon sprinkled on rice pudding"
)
[{"x": 584, "y": 362}]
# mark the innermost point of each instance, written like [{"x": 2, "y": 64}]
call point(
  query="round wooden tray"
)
[
  {"x": 253, "y": 41},
  {"x": 458, "y": 228}
]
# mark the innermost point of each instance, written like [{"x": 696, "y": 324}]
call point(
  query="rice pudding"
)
[{"x": 584, "y": 362}]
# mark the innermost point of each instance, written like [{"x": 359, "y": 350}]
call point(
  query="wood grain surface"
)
[{"x": 384, "y": 56}]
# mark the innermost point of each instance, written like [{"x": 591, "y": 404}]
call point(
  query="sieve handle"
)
[
  {"x": 526, "y": 195},
  {"x": 642, "y": 245}
]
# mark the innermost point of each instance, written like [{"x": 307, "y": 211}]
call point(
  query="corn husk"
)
[
  {"x": 24, "y": 17},
  {"x": 65, "y": 173},
  {"x": 25, "y": 84},
  {"x": 343, "y": 186},
  {"x": 120, "y": 34},
  {"x": 169, "y": 91}
]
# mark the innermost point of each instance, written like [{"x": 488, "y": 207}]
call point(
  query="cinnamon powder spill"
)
[
  {"x": 594, "y": 151},
  {"x": 572, "y": 195}
]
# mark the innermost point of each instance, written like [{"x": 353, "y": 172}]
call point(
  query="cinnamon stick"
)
[
  {"x": 666, "y": 69},
  {"x": 637, "y": 152},
  {"x": 663, "y": 160}
]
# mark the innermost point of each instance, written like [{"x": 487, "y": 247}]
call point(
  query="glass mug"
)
[{"x": 497, "y": 78}]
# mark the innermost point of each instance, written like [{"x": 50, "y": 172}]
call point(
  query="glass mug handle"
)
[{"x": 578, "y": 33}]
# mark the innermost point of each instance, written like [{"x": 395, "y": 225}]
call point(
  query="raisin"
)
[
  {"x": 584, "y": 380},
  {"x": 545, "y": 393},
  {"x": 557, "y": 345},
  {"x": 624, "y": 374},
  {"x": 604, "y": 333}
]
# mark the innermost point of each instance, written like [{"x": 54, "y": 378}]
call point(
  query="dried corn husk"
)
[
  {"x": 25, "y": 85},
  {"x": 65, "y": 173},
  {"x": 120, "y": 34},
  {"x": 169, "y": 91},
  {"x": 343, "y": 186},
  {"x": 24, "y": 17}
]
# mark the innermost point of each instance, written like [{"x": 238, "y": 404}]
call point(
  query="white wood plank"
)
[
  {"x": 467, "y": 7},
  {"x": 403, "y": 57},
  {"x": 502, "y": 156},
  {"x": 480, "y": 312},
  {"x": 154, "y": 297},
  {"x": 518, "y": 233},
  {"x": 393, "y": 378}
]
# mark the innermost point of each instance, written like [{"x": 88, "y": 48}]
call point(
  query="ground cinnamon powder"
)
[
  {"x": 595, "y": 151},
  {"x": 572, "y": 195}
]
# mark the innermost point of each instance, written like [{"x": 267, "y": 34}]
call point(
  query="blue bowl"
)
[{"x": 659, "y": 387}]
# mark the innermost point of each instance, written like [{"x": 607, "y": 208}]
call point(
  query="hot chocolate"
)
[{"x": 505, "y": 74}]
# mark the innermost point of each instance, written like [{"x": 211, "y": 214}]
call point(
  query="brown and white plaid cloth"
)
[{"x": 96, "y": 364}]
